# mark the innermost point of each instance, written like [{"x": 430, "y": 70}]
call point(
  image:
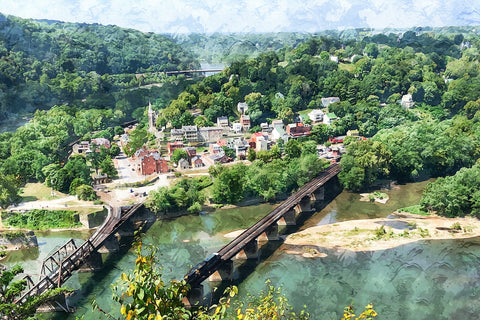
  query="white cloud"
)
[{"x": 249, "y": 15}]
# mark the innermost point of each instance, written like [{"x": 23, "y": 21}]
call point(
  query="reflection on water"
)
[
  {"x": 347, "y": 205},
  {"x": 424, "y": 280}
]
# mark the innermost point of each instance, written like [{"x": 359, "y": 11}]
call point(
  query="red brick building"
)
[
  {"x": 296, "y": 130},
  {"x": 149, "y": 162},
  {"x": 171, "y": 146}
]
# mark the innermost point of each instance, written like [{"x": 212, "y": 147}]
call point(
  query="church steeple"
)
[{"x": 151, "y": 118}]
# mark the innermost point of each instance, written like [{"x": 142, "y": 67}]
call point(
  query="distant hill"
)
[
  {"x": 92, "y": 47},
  {"x": 43, "y": 63}
]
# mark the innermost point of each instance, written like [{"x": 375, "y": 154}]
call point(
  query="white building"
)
[
  {"x": 316, "y": 115},
  {"x": 329, "y": 118},
  {"x": 242, "y": 107},
  {"x": 407, "y": 101},
  {"x": 279, "y": 133},
  {"x": 222, "y": 122},
  {"x": 237, "y": 127},
  {"x": 327, "y": 101}
]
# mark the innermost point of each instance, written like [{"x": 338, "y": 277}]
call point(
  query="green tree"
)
[
  {"x": 228, "y": 186},
  {"x": 85, "y": 192},
  {"x": 9, "y": 188},
  {"x": 252, "y": 154},
  {"x": 364, "y": 162},
  {"x": 108, "y": 167},
  {"x": 293, "y": 149},
  {"x": 178, "y": 154}
]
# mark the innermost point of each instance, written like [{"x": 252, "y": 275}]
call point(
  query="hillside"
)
[{"x": 43, "y": 64}]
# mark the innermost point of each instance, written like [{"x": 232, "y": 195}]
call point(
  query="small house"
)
[
  {"x": 222, "y": 122},
  {"x": 183, "y": 164},
  {"x": 328, "y": 118},
  {"x": 316, "y": 116},
  {"x": 171, "y": 146},
  {"x": 237, "y": 127},
  {"x": 215, "y": 148},
  {"x": 197, "y": 162},
  {"x": 190, "y": 133},
  {"x": 296, "y": 130},
  {"x": 407, "y": 101},
  {"x": 328, "y": 101},
  {"x": 242, "y": 107},
  {"x": 245, "y": 121}
]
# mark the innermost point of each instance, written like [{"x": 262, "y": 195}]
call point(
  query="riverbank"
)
[{"x": 381, "y": 233}]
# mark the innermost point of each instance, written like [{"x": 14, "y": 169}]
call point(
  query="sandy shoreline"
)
[{"x": 367, "y": 235}]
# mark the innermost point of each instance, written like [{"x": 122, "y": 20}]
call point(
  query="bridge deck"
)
[
  {"x": 200, "y": 272},
  {"x": 78, "y": 257}
]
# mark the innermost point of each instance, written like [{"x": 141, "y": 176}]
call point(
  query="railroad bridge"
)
[
  {"x": 59, "y": 266},
  {"x": 219, "y": 266}
]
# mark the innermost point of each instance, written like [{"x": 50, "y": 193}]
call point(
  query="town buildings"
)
[{"x": 147, "y": 162}]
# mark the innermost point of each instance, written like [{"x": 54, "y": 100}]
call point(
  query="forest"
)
[{"x": 85, "y": 65}]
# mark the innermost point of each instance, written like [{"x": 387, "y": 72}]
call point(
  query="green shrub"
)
[{"x": 39, "y": 219}]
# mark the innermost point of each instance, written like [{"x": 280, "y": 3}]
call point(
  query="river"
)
[{"x": 423, "y": 280}]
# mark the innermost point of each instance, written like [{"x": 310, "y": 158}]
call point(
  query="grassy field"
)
[
  {"x": 39, "y": 191},
  {"x": 346, "y": 67}
]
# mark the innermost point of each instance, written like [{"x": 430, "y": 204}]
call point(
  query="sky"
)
[{"x": 208, "y": 16}]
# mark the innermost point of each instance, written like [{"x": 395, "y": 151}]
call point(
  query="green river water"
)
[{"x": 422, "y": 280}]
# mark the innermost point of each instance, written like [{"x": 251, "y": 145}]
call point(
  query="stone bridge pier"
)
[
  {"x": 249, "y": 251},
  {"x": 110, "y": 245},
  {"x": 318, "y": 195},
  {"x": 289, "y": 218},
  {"x": 305, "y": 205},
  {"x": 271, "y": 233},
  {"x": 223, "y": 273},
  {"x": 194, "y": 297}
]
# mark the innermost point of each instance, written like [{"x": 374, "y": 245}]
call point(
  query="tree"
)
[
  {"x": 252, "y": 154},
  {"x": 85, "y": 192},
  {"x": 11, "y": 290},
  {"x": 364, "y": 162},
  {"x": 108, "y": 167},
  {"x": 9, "y": 188},
  {"x": 228, "y": 186},
  {"x": 293, "y": 149},
  {"x": 178, "y": 154}
]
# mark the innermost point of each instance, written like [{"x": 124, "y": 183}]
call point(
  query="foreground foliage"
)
[{"x": 144, "y": 295}]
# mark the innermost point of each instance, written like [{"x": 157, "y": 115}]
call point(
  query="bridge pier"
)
[
  {"x": 194, "y": 296},
  {"x": 249, "y": 251},
  {"x": 223, "y": 273},
  {"x": 271, "y": 233},
  {"x": 110, "y": 245},
  {"x": 304, "y": 205},
  {"x": 289, "y": 218},
  {"x": 318, "y": 195},
  {"x": 59, "y": 304},
  {"x": 127, "y": 229},
  {"x": 93, "y": 263}
]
